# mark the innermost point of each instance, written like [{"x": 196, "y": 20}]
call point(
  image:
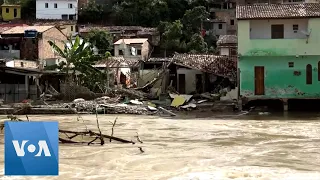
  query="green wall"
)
[
  {"x": 280, "y": 81},
  {"x": 278, "y": 47}
]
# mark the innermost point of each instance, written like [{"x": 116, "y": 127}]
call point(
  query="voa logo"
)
[{"x": 42, "y": 147}]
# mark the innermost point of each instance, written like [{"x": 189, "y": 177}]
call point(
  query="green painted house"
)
[{"x": 279, "y": 51}]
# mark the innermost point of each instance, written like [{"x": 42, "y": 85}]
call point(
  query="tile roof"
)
[
  {"x": 227, "y": 39},
  {"x": 87, "y": 28},
  {"x": 272, "y": 11},
  {"x": 117, "y": 61},
  {"x": 21, "y": 29},
  {"x": 10, "y": 5},
  {"x": 225, "y": 66},
  {"x": 132, "y": 41}
]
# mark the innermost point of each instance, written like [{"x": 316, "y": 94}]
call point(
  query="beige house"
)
[
  {"x": 136, "y": 48},
  {"x": 15, "y": 45}
]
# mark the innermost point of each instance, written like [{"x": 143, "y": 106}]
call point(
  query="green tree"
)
[
  {"x": 141, "y": 12},
  {"x": 80, "y": 54},
  {"x": 92, "y": 12},
  {"x": 193, "y": 19},
  {"x": 102, "y": 40},
  {"x": 197, "y": 44},
  {"x": 171, "y": 34},
  {"x": 28, "y": 9}
]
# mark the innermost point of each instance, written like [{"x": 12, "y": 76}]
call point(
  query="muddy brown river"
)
[{"x": 267, "y": 147}]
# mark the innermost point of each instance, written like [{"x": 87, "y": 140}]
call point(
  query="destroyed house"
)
[
  {"x": 278, "y": 51},
  {"x": 190, "y": 73}
]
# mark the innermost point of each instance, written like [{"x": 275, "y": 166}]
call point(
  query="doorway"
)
[
  {"x": 309, "y": 74},
  {"x": 259, "y": 80},
  {"x": 182, "y": 83}
]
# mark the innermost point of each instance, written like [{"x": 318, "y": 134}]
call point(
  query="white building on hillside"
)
[{"x": 57, "y": 9}]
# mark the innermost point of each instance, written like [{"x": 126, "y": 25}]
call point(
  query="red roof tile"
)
[
  {"x": 225, "y": 66},
  {"x": 273, "y": 11}
]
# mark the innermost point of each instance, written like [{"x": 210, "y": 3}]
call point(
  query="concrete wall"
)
[
  {"x": 278, "y": 47},
  {"x": 190, "y": 78},
  {"x": 224, "y": 51},
  {"x": 10, "y": 54},
  {"x": 55, "y": 13},
  {"x": 218, "y": 31},
  {"x": 10, "y": 15},
  {"x": 261, "y": 29},
  {"x": 227, "y": 15},
  {"x": 280, "y": 80},
  {"x": 22, "y": 63},
  {"x": 16, "y": 92},
  {"x": 68, "y": 29},
  {"x": 145, "y": 49},
  {"x": 45, "y": 50}
]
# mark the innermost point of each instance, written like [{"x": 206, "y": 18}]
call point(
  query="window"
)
[
  {"x": 64, "y": 16},
  {"x": 212, "y": 15},
  {"x": 291, "y": 64},
  {"x": 7, "y": 10},
  {"x": 55, "y": 5},
  {"x": 120, "y": 52},
  {"x": 70, "y": 6},
  {"x": 21, "y": 64},
  {"x": 71, "y": 28},
  {"x": 295, "y": 28},
  {"x": 277, "y": 31},
  {"x": 139, "y": 52},
  {"x": 232, "y": 22},
  {"x": 220, "y": 26},
  {"x": 72, "y": 17},
  {"x": 46, "y": 5}
]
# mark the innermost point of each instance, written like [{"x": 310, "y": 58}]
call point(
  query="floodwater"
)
[{"x": 279, "y": 147}]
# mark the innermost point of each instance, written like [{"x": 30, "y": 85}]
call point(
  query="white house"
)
[{"x": 57, "y": 9}]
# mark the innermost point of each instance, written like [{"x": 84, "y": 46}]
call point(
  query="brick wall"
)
[{"x": 45, "y": 50}]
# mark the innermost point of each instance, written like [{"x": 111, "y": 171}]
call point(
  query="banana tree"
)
[
  {"x": 77, "y": 53},
  {"x": 81, "y": 55}
]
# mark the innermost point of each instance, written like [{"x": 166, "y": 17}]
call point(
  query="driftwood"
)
[
  {"x": 93, "y": 134},
  {"x": 70, "y": 135}
]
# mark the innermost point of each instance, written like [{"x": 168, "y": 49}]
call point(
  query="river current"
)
[{"x": 259, "y": 147}]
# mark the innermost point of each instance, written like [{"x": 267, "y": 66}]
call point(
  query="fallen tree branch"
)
[
  {"x": 113, "y": 124},
  {"x": 90, "y": 133}
]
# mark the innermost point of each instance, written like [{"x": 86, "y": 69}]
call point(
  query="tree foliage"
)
[
  {"x": 177, "y": 20},
  {"x": 102, "y": 40},
  {"x": 80, "y": 57},
  {"x": 185, "y": 35}
]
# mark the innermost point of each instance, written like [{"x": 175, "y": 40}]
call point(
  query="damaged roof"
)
[
  {"x": 225, "y": 66},
  {"x": 116, "y": 62},
  {"x": 132, "y": 41},
  {"x": 139, "y": 29},
  {"x": 227, "y": 39},
  {"x": 278, "y": 11}
]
